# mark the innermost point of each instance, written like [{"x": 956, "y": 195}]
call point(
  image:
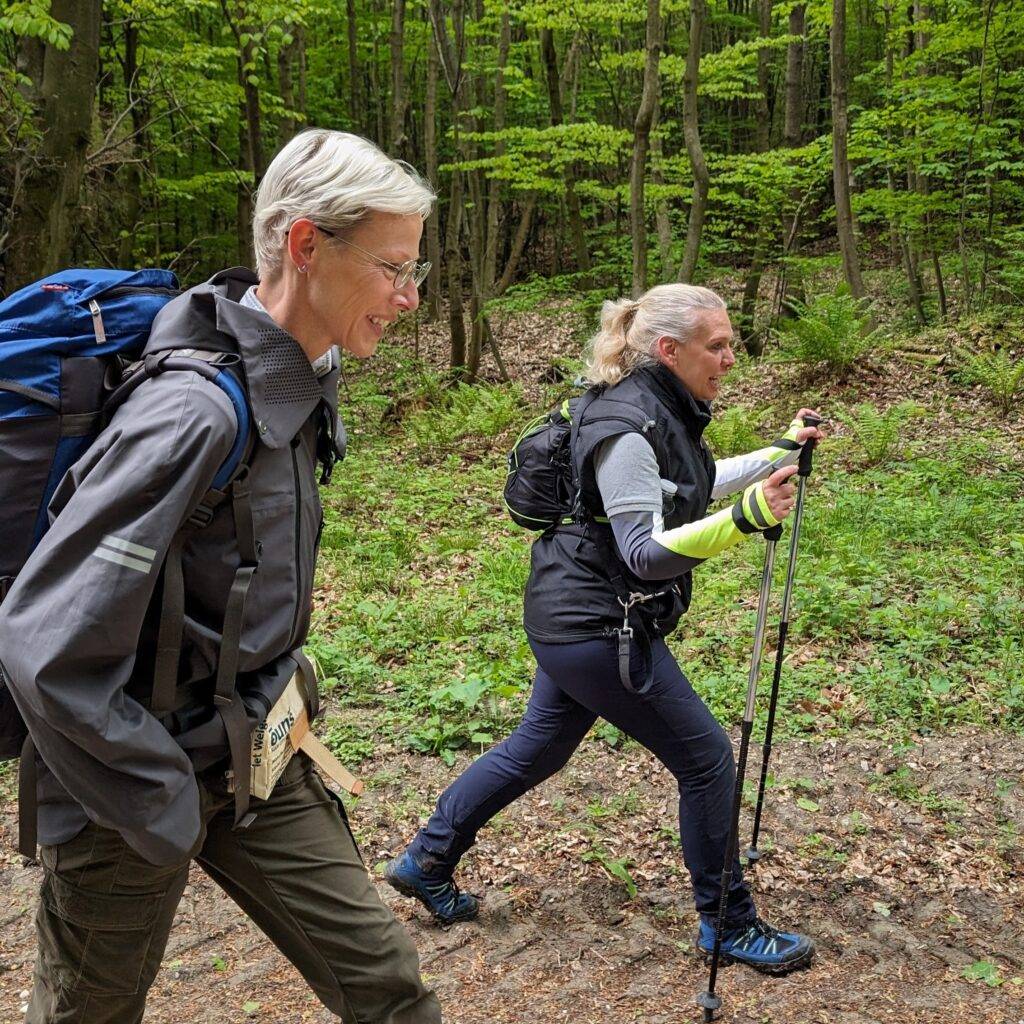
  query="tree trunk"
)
[
  {"x": 355, "y": 98},
  {"x": 133, "y": 187},
  {"x": 572, "y": 201},
  {"x": 62, "y": 94},
  {"x": 433, "y": 225},
  {"x": 397, "y": 127},
  {"x": 451, "y": 55},
  {"x": 518, "y": 245},
  {"x": 661, "y": 218},
  {"x": 752, "y": 341},
  {"x": 840, "y": 160},
  {"x": 691, "y": 134},
  {"x": 641, "y": 142},
  {"x": 285, "y": 56}
]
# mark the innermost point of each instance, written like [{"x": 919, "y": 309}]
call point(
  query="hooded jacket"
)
[{"x": 78, "y": 628}]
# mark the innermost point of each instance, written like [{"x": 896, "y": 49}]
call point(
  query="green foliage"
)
[
  {"x": 471, "y": 711},
  {"x": 998, "y": 373},
  {"x": 468, "y": 411},
  {"x": 617, "y": 868},
  {"x": 31, "y": 19},
  {"x": 876, "y": 433},
  {"x": 734, "y": 432},
  {"x": 983, "y": 970},
  {"x": 830, "y": 329}
]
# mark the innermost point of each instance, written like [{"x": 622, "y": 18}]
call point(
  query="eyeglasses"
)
[{"x": 410, "y": 270}]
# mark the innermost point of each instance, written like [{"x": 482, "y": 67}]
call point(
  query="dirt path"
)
[{"x": 906, "y": 866}]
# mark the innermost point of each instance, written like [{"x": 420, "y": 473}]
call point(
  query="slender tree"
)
[
  {"x": 62, "y": 93},
  {"x": 840, "y": 158},
  {"x": 691, "y": 133},
  {"x": 641, "y": 141}
]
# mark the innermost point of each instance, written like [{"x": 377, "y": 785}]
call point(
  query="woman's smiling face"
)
[{"x": 354, "y": 294}]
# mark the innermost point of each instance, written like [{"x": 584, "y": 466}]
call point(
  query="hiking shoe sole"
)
[
  {"x": 408, "y": 890},
  {"x": 796, "y": 964}
]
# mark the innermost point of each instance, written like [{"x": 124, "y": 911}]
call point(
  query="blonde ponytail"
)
[{"x": 630, "y": 328}]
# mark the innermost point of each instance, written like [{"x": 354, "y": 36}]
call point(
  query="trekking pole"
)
[
  {"x": 753, "y": 855},
  {"x": 708, "y": 1001}
]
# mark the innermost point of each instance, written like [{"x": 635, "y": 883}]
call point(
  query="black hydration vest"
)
[{"x": 576, "y": 575}]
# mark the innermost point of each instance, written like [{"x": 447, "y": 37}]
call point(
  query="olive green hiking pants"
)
[{"x": 105, "y": 913}]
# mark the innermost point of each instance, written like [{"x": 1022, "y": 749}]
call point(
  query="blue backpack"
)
[{"x": 70, "y": 347}]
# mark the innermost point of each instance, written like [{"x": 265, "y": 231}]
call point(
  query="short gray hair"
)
[
  {"x": 630, "y": 328},
  {"x": 335, "y": 179}
]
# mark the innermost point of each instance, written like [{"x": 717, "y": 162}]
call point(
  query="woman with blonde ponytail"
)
[{"x": 608, "y": 585}]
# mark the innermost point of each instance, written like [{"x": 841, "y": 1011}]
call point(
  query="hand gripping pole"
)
[
  {"x": 753, "y": 855},
  {"x": 707, "y": 1000}
]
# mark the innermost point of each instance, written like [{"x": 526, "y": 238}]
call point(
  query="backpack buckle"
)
[{"x": 201, "y": 517}]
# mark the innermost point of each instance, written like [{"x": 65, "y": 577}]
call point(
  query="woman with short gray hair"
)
[
  {"x": 606, "y": 587},
  {"x": 142, "y": 700}
]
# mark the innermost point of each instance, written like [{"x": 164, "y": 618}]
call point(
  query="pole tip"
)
[
  {"x": 753, "y": 855},
  {"x": 709, "y": 1003}
]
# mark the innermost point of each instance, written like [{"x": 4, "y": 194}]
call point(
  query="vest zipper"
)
[{"x": 298, "y": 537}]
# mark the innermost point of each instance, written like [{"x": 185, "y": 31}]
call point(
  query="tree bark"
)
[
  {"x": 450, "y": 53},
  {"x": 661, "y": 218},
  {"x": 133, "y": 189},
  {"x": 397, "y": 126},
  {"x": 62, "y": 93},
  {"x": 433, "y": 225},
  {"x": 840, "y": 159},
  {"x": 572, "y": 200},
  {"x": 752, "y": 341},
  {"x": 356, "y": 109},
  {"x": 641, "y": 142},
  {"x": 691, "y": 134},
  {"x": 286, "y": 86}
]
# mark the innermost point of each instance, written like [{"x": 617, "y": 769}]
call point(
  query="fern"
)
[
  {"x": 830, "y": 329},
  {"x": 998, "y": 373},
  {"x": 733, "y": 433},
  {"x": 468, "y": 409},
  {"x": 877, "y": 432}
]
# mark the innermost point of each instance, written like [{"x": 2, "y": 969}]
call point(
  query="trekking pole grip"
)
[{"x": 807, "y": 451}]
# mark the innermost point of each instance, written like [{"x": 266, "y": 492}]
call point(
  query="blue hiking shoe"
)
[
  {"x": 438, "y": 893},
  {"x": 757, "y": 944}
]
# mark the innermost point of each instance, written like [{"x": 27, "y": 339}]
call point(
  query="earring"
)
[{"x": 303, "y": 268}]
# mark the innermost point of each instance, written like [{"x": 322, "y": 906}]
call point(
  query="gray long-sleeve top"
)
[{"x": 631, "y": 489}]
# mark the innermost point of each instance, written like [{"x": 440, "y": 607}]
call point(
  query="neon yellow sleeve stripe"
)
[
  {"x": 703, "y": 538},
  {"x": 754, "y": 495}
]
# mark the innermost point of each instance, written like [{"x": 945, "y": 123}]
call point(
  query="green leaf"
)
[
  {"x": 881, "y": 908},
  {"x": 983, "y": 970},
  {"x": 219, "y": 963},
  {"x": 807, "y": 803},
  {"x": 250, "y": 1007}
]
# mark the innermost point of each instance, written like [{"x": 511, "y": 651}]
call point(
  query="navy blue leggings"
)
[{"x": 575, "y": 684}]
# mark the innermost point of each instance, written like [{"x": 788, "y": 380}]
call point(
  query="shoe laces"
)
[
  {"x": 764, "y": 929},
  {"x": 447, "y": 889}
]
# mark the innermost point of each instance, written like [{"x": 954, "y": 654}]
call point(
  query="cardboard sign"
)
[
  {"x": 271, "y": 749},
  {"x": 285, "y": 731}
]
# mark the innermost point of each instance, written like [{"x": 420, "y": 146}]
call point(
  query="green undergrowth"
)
[{"x": 908, "y": 610}]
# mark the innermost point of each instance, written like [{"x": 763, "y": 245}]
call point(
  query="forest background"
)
[{"x": 850, "y": 176}]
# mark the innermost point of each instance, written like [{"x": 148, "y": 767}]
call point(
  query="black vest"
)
[{"x": 571, "y": 594}]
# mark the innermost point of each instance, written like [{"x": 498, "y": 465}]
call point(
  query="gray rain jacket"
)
[{"x": 78, "y": 628}]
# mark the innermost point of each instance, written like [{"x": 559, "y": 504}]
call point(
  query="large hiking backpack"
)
[{"x": 71, "y": 350}]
